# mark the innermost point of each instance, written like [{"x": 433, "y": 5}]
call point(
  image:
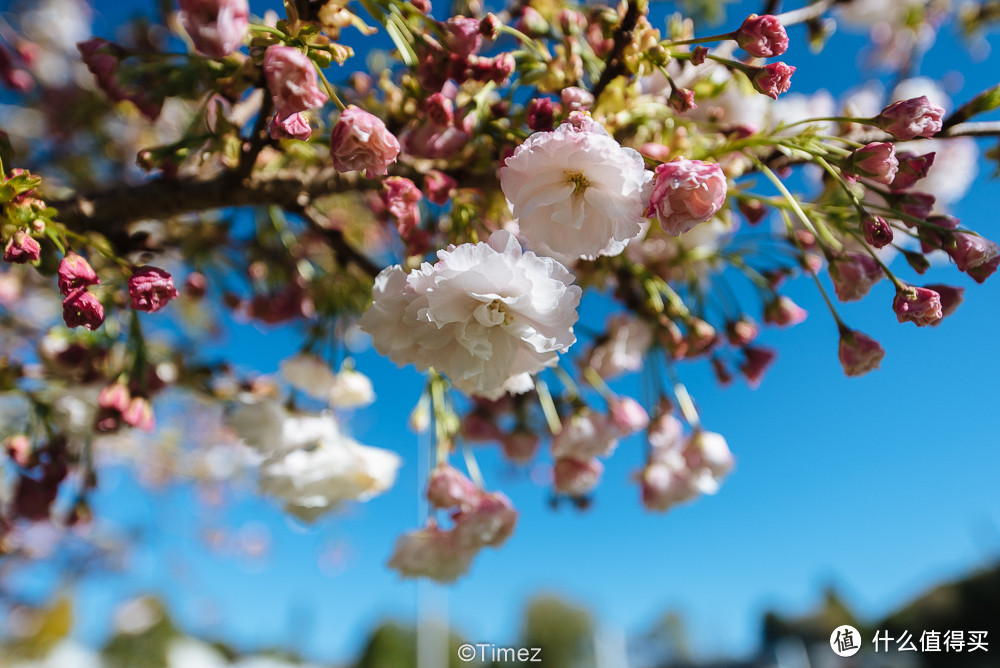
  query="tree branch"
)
[
  {"x": 111, "y": 211},
  {"x": 614, "y": 65}
]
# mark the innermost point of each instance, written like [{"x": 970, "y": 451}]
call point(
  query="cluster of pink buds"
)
[
  {"x": 291, "y": 78},
  {"x": 680, "y": 468},
  {"x": 457, "y": 58},
  {"x": 585, "y": 436},
  {"x": 80, "y": 306},
  {"x": 480, "y": 519},
  {"x": 402, "y": 199},
  {"x": 116, "y": 405},
  {"x": 103, "y": 59}
]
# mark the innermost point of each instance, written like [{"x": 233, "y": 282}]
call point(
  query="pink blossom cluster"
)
[
  {"x": 480, "y": 519},
  {"x": 680, "y": 468},
  {"x": 291, "y": 78},
  {"x": 584, "y": 437},
  {"x": 80, "y": 307}
]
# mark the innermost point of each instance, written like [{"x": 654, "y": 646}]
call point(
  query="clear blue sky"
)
[{"x": 881, "y": 485}]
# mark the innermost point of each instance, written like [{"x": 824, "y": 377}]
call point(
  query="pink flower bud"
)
[
  {"x": 935, "y": 235},
  {"x": 150, "y": 289},
  {"x": 520, "y": 445},
  {"x": 585, "y": 435},
  {"x": 762, "y": 36},
  {"x": 531, "y": 22},
  {"x": 571, "y": 22},
  {"x": 576, "y": 478},
  {"x": 698, "y": 55},
  {"x": 489, "y": 522},
  {"x": 709, "y": 450},
  {"x": 685, "y": 193},
  {"x": 721, "y": 371},
  {"x": 75, "y": 272},
  {"x": 628, "y": 415},
  {"x": 440, "y": 110},
  {"x": 742, "y": 331},
  {"x": 291, "y": 78},
  {"x": 115, "y": 397},
  {"x": 360, "y": 141},
  {"x": 755, "y": 364},
  {"x": 489, "y": 26},
  {"x": 772, "y": 79},
  {"x": 464, "y": 38},
  {"x": 984, "y": 271},
  {"x": 783, "y": 312},
  {"x": 431, "y": 553},
  {"x": 576, "y": 99},
  {"x": 422, "y": 6},
  {"x": 291, "y": 127},
  {"x": 21, "y": 248},
  {"x": 909, "y": 119},
  {"x": 912, "y": 168},
  {"x": 951, "y": 298},
  {"x": 664, "y": 435},
  {"x": 877, "y": 232},
  {"x": 11, "y": 76},
  {"x": 19, "y": 449},
  {"x": 541, "y": 114},
  {"x": 402, "y": 199},
  {"x": 498, "y": 69},
  {"x": 853, "y": 275},
  {"x": 448, "y": 488},
  {"x": 876, "y": 161},
  {"x": 971, "y": 251},
  {"x": 664, "y": 486},
  {"x": 918, "y": 205},
  {"x": 216, "y": 27},
  {"x": 139, "y": 414},
  {"x": 82, "y": 309},
  {"x": 681, "y": 100},
  {"x": 439, "y": 187},
  {"x": 920, "y": 306},
  {"x": 859, "y": 353}
]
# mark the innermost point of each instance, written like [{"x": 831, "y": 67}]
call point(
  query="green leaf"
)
[{"x": 986, "y": 101}]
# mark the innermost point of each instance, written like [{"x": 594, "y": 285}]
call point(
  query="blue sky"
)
[{"x": 880, "y": 486}]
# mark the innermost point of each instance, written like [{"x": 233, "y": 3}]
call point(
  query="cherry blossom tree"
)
[{"x": 454, "y": 204}]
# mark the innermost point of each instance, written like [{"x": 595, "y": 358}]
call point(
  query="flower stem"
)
[{"x": 329, "y": 89}]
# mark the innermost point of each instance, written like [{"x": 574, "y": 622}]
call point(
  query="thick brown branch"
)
[
  {"x": 614, "y": 65},
  {"x": 110, "y": 212}
]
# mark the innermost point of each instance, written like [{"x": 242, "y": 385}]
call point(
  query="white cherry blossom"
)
[{"x": 575, "y": 191}]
